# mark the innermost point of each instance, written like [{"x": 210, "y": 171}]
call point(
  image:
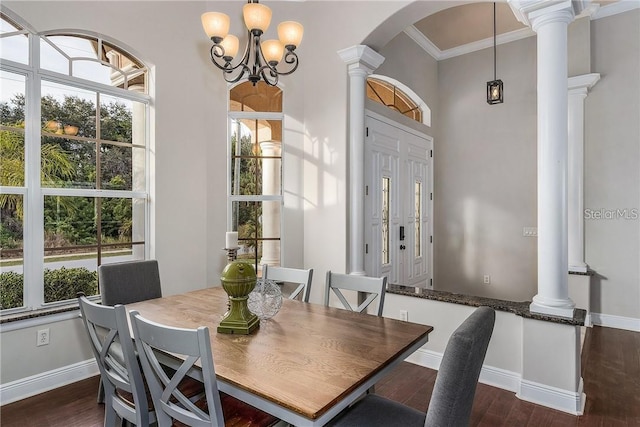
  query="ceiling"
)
[{"x": 462, "y": 25}]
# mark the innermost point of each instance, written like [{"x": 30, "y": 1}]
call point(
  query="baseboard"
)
[
  {"x": 552, "y": 397},
  {"x": 36, "y": 384},
  {"x": 489, "y": 375},
  {"x": 618, "y": 322}
]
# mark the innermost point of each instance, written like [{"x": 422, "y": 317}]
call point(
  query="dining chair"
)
[
  {"x": 124, "y": 392},
  {"x": 153, "y": 341},
  {"x": 453, "y": 391},
  {"x": 127, "y": 282},
  {"x": 301, "y": 278},
  {"x": 373, "y": 287}
]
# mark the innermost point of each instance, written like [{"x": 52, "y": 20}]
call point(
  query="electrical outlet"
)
[
  {"x": 43, "y": 337},
  {"x": 404, "y": 315},
  {"x": 487, "y": 279}
]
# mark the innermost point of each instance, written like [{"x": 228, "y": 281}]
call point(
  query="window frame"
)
[
  {"x": 32, "y": 191},
  {"x": 231, "y": 198}
]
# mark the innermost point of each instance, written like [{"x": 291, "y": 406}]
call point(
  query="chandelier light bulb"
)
[
  {"x": 272, "y": 51},
  {"x": 290, "y": 33},
  {"x": 216, "y": 25},
  {"x": 230, "y": 44},
  {"x": 257, "y": 17}
]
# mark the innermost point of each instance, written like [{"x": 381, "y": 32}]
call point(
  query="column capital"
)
[
  {"x": 584, "y": 81},
  {"x": 361, "y": 57},
  {"x": 529, "y": 11}
]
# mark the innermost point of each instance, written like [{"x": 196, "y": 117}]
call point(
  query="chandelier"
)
[{"x": 260, "y": 59}]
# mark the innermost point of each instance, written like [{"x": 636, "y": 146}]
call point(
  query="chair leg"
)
[
  {"x": 110, "y": 416},
  {"x": 100, "y": 392}
]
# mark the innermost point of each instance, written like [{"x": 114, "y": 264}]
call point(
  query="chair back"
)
[
  {"x": 153, "y": 341},
  {"x": 128, "y": 282},
  {"x": 302, "y": 278},
  {"x": 373, "y": 287},
  {"x": 112, "y": 347},
  {"x": 455, "y": 386}
]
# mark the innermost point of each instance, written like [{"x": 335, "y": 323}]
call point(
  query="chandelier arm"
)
[
  {"x": 272, "y": 80},
  {"x": 290, "y": 58}
]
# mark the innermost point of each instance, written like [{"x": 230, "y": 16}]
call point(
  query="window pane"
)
[
  {"x": 122, "y": 230},
  {"x": 390, "y": 96},
  {"x": 122, "y": 120},
  {"x": 386, "y": 181},
  {"x": 11, "y": 158},
  {"x": 258, "y": 226},
  {"x": 122, "y": 168},
  {"x": 11, "y": 255},
  {"x": 261, "y": 97},
  {"x": 16, "y": 47},
  {"x": 62, "y": 283},
  {"x": 70, "y": 232},
  {"x": 65, "y": 108},
  {"x": 91, "y": 70},
  {"x": 51, "y": 59},
  {"x": 418, "y": 218},
  {"x": 69, "y": 224},
  {"x": 256, "y": 165},
  {"x": 12, "y": 101},
  {"x": 68, "y": 163}
]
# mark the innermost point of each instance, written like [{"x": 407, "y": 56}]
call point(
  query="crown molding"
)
[
  {"x": 592, "y": 10},
  {"x": 615, "y": 8},
  {"x": 439, "y": 55}
]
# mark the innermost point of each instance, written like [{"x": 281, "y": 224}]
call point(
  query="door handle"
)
[{"x": 402, "y": 232}]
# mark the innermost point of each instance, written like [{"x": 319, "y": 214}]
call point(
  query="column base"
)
[{"x": 554, "y": 307}]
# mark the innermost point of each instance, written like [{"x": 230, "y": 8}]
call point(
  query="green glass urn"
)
[{"x": 238, "y": 280}]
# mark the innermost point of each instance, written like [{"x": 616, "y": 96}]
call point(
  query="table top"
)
[{"x": 305, "y": 359}]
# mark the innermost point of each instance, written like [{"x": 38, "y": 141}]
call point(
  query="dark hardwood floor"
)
[{"x": 611, "y": 373}]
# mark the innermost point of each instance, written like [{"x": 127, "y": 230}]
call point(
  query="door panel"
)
[{"x": 398, "y": 180}]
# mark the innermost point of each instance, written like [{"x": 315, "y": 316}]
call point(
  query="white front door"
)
[{"x": 398, "y": 202}]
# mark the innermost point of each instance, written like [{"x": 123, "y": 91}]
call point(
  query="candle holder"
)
[
  {"x": 232, "y": 253},
  {"x": 238, "y": 280}
]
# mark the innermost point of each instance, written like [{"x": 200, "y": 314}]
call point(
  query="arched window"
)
[
  {"x": 255, "y": 181},
  {"x": 74, "y": 145},
  {"x": 396, "y": 96}
]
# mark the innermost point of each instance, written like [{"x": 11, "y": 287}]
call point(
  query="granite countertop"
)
[{"x": 517, "y": 308}]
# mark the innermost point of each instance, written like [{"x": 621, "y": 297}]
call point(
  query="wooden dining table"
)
[{"x": 305, "y": 364}]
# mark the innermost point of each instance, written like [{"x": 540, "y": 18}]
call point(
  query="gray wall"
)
[
  {"x": 612, "y": 164},
  {"x": 485, "y": 174}
]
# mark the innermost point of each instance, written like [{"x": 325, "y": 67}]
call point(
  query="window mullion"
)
[{"x": 33, "y": 239}]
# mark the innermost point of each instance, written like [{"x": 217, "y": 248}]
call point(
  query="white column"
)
[
  {"x": 271, "y": 209},
  {"x": 550, "y": 21},
  {"x": 362, "y": 61},
  {"x": 578, "y": 90}
]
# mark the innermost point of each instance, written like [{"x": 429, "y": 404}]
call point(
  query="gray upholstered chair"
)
[
  {"x": 153, "y": 341},
  {"x": 454, "y": 389},
  {"x": 128, "y": 282},
  {"x": 299, "y": 277},
  {"x": 124, "y": 392},
  {"x": 373, "y": 287}
]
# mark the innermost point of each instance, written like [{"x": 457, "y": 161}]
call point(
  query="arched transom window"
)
[{"x": 389, "y": 93}]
